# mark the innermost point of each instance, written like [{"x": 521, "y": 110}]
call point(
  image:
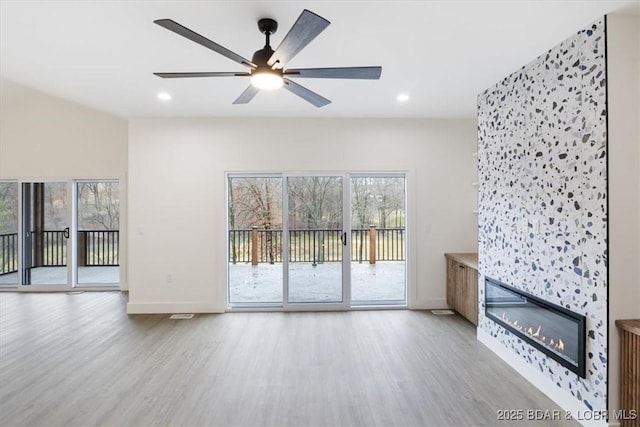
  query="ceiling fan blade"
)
[
  {"x": 372, "y": 73},
  {"x": 201, "y": 74},
  {"x": 247, "y": 95},
  {"x": 305, "y": 29},
  {"x": 305, "y": 94},
  {"x": 172, "y": 25}
]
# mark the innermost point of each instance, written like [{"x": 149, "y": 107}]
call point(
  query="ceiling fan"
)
[{"x": 267, "y": 67}]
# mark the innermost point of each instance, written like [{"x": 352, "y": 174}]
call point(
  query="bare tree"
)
[
  {"x": 361, "y": 198},
  {"x": 8, "y": 207},
  {"x": 256, "y": 202},
  {"x": 315, "y": 204},
  {"x": 99, "y": 205},
  {"x": 389, "y": 198}
]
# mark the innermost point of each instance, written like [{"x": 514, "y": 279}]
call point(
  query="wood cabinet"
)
[
  {"x": 462, "y": 284},
  {"x": 629, "y": 370}
]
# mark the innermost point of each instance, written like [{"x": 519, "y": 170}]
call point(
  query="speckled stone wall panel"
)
[{"x": 542, "y": 168}]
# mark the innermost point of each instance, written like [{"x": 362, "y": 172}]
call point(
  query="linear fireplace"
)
[{"x": 554, "y": 330}]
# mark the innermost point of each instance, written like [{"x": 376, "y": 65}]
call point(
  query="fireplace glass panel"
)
[{"x": 554, "y": 330}]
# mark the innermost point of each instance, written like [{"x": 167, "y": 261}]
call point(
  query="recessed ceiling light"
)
[
  {"x": 403, "y": 97},
  {"x": 164, "y": 96}
]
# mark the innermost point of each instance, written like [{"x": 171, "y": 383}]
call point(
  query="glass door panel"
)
[
  {"x": 98, "y": 232},
  {"x": 46, "y": 233},
  {"x": 378, "y": 233},
  {"x": 8, "y": 233},
  {"x": 316, "y": 239},
  {"x": 255, "y": 240}
]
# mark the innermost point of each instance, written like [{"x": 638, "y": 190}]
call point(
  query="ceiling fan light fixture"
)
[
  {"x": 266, "y": 80},
  {"x": 268, "y": 67}
]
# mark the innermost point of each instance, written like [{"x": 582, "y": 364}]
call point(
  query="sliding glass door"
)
[
  {"x": 9, "y": 233},
  {"x": 305, "y": 242},
  {"x": 255, "y": 240},
  {"x": 59, "y": 234},
  {"x": 45, "y": 236},
  {"x": 378, "y": 232},
  {"x": 97, "y": 232},
  {"x": 316, "y": 239}
]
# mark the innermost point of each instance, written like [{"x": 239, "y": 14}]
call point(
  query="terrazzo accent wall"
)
[{"x": 542, "y": 168}]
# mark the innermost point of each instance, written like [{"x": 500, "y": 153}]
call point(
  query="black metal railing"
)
[
  {"x": 95, "y": 248},
  {"x": 100, "y": 247},
  {"x": 239, "y": 246},
  {"x": 54, "y": 248},
  {"x": 390, "y": 244},
  {"x": 8, "y": 253},
  {"x": 315, "y": 246}
]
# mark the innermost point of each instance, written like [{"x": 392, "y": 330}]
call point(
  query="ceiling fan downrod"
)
[{"x": 267, "y": 26}]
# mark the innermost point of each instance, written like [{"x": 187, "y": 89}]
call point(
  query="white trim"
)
[
  {"x": 347, "y": 189},
  {"x": 182, "y": 307},
  {"x": 72, "y": 240},
  {"x": 428, "y": 304},
  {"x": 562, "y": 398}
]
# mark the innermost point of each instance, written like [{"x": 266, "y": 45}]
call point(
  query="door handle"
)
[
  {"x": 66, "y": 232},
  {"x": 343, "y": 238}
]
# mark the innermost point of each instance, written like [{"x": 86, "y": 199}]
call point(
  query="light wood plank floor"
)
[{"x": 79, "y": 360}]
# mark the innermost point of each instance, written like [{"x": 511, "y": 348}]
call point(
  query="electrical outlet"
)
[{"x": 169, "y": 278}]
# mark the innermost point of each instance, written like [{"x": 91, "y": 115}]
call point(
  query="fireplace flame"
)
[{"x": 557, "y": 345}]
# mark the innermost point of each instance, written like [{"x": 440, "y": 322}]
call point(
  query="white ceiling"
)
[{"x": 442, "y": 53}]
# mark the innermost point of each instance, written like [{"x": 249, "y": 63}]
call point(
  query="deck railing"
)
[
  {"x": 95, "y": 248},
  {"x": 316, "y": 246},
  {"x": 54, "y": 248},
  {"x": 98, "y": 247},
  {"x": 8, "y": 253}
]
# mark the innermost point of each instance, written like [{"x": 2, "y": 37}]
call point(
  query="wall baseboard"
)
[
  {"x": 428, "y": 304},
  {"x": 565, "y": 400},
  {"x": 163, "y": 308}
]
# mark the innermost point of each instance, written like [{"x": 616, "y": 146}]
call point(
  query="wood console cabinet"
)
[
  {"x": 462, "y": 284},
  {"x": 629, "y": 370}
]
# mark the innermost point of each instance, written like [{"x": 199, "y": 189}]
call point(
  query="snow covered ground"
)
[{"x": 384, "y": 281}]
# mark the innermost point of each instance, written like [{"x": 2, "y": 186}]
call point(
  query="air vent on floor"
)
[
  {"x": 441, "y": 312},
  {"x": 182, "y": 316}
]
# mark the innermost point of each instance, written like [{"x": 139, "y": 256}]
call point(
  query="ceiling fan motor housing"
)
[{"x": 260, "y": 57}]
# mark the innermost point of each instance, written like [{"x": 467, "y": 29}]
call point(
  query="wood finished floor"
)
[{"x": 79, "y": 360}]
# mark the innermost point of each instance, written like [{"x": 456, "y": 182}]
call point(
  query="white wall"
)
[
  {"x": 44, "y": 137},
  {"x": 177, "y": 210},
  {"x": 623, "y": 54}
]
